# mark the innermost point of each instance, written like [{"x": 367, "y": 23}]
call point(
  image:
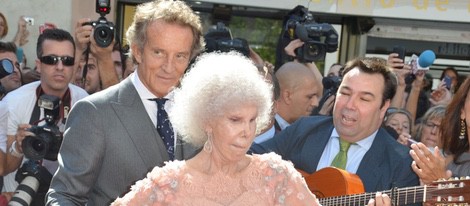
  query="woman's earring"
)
[
  {"x": 463, "y": 129},
  {"x": 208, "y": 144}
]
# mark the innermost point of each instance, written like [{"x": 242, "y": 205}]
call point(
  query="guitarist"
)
[{"x": 312, "y": 143}]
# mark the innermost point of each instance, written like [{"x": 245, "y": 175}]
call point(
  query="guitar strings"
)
[{"x": 401, "y": 196}]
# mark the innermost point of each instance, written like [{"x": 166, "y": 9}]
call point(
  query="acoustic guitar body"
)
[{"x": 331, "y": 181}]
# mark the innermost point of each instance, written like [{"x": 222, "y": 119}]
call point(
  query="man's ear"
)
[
  {"x": 384, "y": 108},
  {"x": 38, "y": 65},
  {"x": 286, "y": 96}
]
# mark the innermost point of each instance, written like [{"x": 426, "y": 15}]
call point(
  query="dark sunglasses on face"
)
[{"x": 53, "y": 60}]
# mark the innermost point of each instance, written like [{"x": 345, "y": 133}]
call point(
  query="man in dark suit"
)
[
  {"x": 111, "y": 139},
  {"x": 363, "y": 97}
]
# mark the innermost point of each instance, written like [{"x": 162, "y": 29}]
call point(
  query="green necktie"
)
[{"x": 341, "y": 158}]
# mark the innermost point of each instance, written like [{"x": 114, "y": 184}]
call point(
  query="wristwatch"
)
[{"x": 15, "y": 152}]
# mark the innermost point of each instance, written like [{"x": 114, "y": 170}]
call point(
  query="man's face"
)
[
  {"x": 55, "y": 78},
  {"x": 12, "y": 81},
  {"x": 357, "y": 112},
  {"x": 164, "y": 56},
  {"x": 116, "y": 55},
  {"x": 92, "y": 83},
  {"x": 304, "y": 98}
]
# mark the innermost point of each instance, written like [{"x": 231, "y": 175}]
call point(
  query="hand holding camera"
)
[
  {"x": 318, "y": 38},
  {"x": 21, "y": 37}
]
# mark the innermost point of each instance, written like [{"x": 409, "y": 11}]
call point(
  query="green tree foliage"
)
[{"x": 262, "y": 34}]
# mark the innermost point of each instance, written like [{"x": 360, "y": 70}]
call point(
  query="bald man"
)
[{"x": 300, "y": 93}]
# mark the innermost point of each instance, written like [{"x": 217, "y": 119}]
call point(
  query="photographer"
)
[
  {"x": 12, "y": 81},
  {"x": 55, "y": 60},
  {"x": 305, "y": 41},
  {"x": 84, "y": 39}
]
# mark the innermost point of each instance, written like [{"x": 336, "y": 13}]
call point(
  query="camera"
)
[
  {"x": 104, "y": 30},
  {"x": 34, "y": 181},
  {"x": 6, "y": 67},
  {"x": 220, "y": 39},
  {"x": 318, "y": 38},
  {"x": 45, "y": 144},
  {"x": 330, "y": 87},
  {"x": 29, "y": 20}
]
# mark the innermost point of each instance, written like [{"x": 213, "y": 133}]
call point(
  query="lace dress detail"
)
[{"x": 268, "y": 180}]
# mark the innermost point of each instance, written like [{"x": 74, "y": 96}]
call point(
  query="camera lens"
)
[
  {"x": 34, "y": 147},
  {"x": 6, "y": 68},
  {"x": 314, "y": 51},
  {"x": 38, "y": 145},
  {"x": 104, "y": 35}
]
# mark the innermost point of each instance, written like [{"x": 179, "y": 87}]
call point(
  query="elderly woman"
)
[
  {"x": 222, "y": 104},
  {"x": 428, "y": 131},
  {"x": 455, "y": 130},
  {"x": 400, "y": 120}
]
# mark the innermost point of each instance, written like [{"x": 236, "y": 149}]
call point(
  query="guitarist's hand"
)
[
  {"x": 428, "y": 166},
  {"x": 380, "y": 200}
]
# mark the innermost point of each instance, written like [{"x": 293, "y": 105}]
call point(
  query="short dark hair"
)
[
  {"x": 53, "y": 34},
  {"x": 7, "y": 47},
  {"x": 374, "y": 65}
]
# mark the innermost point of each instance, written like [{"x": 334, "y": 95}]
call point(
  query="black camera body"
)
[
  {"x": 318, "y": 38},
  {"x": 330, "y": 87},
  {"x": 220, "y": 39},
  {"x": 104, "y": 30},
  {"x": 6, "y": 67},
  {"x": 45, "y": 143}
]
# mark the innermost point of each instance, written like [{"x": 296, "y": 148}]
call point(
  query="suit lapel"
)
[
  {"x": 317, "y": 142},
  {"x": 130, "y": 110},
  {"x": 370, "y": 166}
]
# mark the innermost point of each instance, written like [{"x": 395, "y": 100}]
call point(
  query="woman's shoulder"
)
[
  {"x": 168, "y": 175},
  {"x": 157, "y": 188},
  {"x": 171, "y": 168},
  {"x": 273, "y": 161}
]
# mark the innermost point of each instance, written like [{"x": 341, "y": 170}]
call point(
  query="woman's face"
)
[
  {"x": 399, "y": 122},
  {"x": 233, "y": 132},
  {"x": 431, "y": 133}
]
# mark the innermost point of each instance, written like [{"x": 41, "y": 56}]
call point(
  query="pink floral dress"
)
[{"x": 268, "y": 180}]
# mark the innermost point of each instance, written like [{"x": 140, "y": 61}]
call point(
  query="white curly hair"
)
[{"x": 215, "y": 83}]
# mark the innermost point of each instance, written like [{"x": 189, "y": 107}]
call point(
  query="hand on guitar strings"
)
[{"x": 380, "y": 200}]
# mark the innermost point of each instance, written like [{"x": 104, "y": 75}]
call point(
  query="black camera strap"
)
[{"x": 65, "y": 104}]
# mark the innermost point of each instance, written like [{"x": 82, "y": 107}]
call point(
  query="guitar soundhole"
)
[{"x": 318, "y": 193}]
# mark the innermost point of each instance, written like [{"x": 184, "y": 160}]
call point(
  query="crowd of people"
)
[{"x": 165, "y": 123}]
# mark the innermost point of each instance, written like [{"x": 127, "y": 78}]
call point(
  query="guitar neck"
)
[{"x": 401, "y": 196}]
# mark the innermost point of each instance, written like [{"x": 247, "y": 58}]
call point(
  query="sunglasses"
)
[{"x": 53, "y": 60}]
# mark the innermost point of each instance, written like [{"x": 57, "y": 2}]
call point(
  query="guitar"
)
[{"x": 334, "y": 186}]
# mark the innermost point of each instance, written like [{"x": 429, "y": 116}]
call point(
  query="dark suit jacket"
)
[
  {"x": 387, "y": 164},
  {"x": 109, "y": 143}
]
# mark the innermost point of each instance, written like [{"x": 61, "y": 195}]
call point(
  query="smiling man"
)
[
  {"x": 119, "y": 130},
  {"x": 363, "y": 97}
]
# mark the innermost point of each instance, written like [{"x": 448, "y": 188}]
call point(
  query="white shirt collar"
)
[
  {"x": 143, "y": 91},
  {"x": 365, "y": 143}
]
